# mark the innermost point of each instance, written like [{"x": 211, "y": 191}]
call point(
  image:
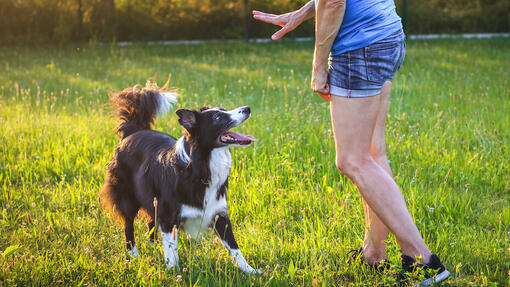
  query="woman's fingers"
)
[
  {"x": 280, "y": 33},
  {"x": 320, "y": 84},
  {"x": 287, "y": 21},
  {"x": 319, "y": 81},
  {"x": 324, "y": 90},
  {"x": 268, "y": 18}
]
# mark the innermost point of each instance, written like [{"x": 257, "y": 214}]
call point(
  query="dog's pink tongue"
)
[{"x": 241, "y": 137}]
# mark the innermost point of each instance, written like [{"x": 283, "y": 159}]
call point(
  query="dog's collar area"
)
[{"x": 181, "y": 150}]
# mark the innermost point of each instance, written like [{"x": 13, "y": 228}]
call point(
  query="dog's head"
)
[{"x": 211, "y": 126}]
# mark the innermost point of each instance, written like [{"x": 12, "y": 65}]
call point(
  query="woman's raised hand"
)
[{"x": 288, "y": 21}]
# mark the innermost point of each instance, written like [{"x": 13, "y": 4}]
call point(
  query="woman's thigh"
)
[{"x": 354, "y": 121}]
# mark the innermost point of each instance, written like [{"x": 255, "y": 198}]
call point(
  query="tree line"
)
[{"x": 42, "y": 21}]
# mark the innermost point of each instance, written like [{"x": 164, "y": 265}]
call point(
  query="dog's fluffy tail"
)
[{"x": 137, "y": 107}]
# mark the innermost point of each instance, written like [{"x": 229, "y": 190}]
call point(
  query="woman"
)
[{"x": 367, "y": 46}]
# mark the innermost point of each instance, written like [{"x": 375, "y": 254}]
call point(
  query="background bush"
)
[{"x": 39, "y": 21}]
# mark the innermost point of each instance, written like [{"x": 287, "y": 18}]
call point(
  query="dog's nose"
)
[{"x": 246, "y": 110}]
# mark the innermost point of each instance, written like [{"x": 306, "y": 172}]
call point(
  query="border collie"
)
[{"x": 179, "y": 183}]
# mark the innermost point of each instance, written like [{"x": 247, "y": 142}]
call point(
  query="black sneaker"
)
[
  {"x": 434, "y": 271},
  {"x": 357, "y": 254}
]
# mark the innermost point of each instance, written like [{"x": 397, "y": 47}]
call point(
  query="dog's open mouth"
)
[{"x": 230, "y": 137}]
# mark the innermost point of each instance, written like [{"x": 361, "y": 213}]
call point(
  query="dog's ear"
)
[
  {"x": 204, "y": 108},
  {"x": 187, "y": 118}
]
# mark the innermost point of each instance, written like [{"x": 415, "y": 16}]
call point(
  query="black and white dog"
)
[{"x": 179, "y": 183}]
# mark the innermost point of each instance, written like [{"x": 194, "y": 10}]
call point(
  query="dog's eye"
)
[{"x": 217, "y": 117}]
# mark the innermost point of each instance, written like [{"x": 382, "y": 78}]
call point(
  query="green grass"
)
[{"x": 295, "y": 216}]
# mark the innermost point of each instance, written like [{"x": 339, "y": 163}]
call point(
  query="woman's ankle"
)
[{"x": 373, "y": 255}]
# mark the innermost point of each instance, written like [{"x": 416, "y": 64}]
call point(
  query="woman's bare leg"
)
[
  {"x": 354, "y": 122},
  {"x": 374, "y": 248},
  {"x": 375, "y": 230}
]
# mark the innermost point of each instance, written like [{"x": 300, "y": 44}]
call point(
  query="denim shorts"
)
[{"x": 362, "y": 72}]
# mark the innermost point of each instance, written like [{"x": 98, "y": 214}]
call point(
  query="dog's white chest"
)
[{"x": 198, "y": 220}]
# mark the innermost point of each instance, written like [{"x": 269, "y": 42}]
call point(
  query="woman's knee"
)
[{"x": 350, "y": 166}]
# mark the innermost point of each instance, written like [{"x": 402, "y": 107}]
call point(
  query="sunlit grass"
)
[{"x": 295, "y": 216}]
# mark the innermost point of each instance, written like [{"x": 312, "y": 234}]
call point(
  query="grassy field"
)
[{"x": 295, "y": 216}]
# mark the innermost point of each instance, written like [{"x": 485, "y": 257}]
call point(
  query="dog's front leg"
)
[
  {"x": 223, "y": 228},
  {"x": 169, "y": 244}
]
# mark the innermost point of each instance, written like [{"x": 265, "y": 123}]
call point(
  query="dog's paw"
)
[
  {"x": 257, "y": 272},
  {"x": 249, "y": 270},
  {"x": 172, "y": 262},
  {"x": 133, "y": 252}
]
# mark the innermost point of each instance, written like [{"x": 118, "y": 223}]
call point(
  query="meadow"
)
[{"x": 295, "y": 216}]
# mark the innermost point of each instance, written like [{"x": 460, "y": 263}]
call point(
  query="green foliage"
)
[
  {"x": 37, "y": 21},
  {"x": 294, "y": 215},
  {"x": 9, "y": 251},
  {"x": 456, "y": 16}
]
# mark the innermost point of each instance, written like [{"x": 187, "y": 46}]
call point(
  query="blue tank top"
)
[{"x": 365, "y": 22}]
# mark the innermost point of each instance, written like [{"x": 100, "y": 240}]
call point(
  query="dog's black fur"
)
[{"x": 147, "y": 171}]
